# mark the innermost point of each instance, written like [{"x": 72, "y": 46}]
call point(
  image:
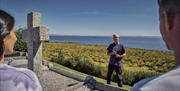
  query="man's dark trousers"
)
[{"x": 118, "y": 71}]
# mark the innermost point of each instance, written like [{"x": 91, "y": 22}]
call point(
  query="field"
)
[{"x": 93, "y": 59}]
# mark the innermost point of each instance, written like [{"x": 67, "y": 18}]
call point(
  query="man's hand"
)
[
  {"x": 120, "y": 56},
  {"x": 113, "y": 53}
]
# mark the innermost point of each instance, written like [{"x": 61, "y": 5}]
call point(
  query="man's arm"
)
[{"x": 110, "y": 51}]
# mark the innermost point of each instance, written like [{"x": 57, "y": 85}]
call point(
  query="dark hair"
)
[
  {"x": 6, "y": 24},
  {"x": 170, "y": 5}
]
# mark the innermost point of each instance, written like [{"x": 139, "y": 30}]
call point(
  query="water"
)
[{"x": 151, "y": 43}]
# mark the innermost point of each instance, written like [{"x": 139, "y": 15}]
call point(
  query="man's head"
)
[
  {"x": 169, "y": 12},
  {"x": 116, "y": 38}
]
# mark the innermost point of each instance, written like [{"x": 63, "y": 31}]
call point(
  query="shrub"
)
[{"x": 20, "y": 45}]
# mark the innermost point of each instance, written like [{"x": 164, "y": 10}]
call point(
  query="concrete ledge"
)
[
  {"x": 68, "y": 74},
  {"x": 98, "y": 86},
  {"x": 72, "y": 88}
]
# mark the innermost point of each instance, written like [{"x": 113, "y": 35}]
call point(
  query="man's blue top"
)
[{"x": 119, "y": 48}]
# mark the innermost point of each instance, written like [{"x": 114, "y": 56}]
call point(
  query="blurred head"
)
[
  {"x": 169, "y": 15},
  {"x": 7, "y": 34},
  {"x": 116, "y": 38}
]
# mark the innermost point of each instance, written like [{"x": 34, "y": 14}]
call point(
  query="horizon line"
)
[{"x": 107, "y": 35}]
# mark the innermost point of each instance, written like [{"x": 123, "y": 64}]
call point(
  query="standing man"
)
[
  {"x": 116, "y": 51},
  {"x": 169, "y": 13}
]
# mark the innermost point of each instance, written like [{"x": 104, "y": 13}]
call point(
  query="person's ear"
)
[
  {"x": 169, "y": 21},
  {"x": 169, "y": 25}
]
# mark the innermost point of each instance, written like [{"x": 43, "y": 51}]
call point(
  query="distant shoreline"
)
[{"x": 106, "y": 36}]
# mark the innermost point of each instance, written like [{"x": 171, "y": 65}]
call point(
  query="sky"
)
[{"x": 89, "y": 17}]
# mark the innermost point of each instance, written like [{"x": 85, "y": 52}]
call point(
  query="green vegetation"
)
[
  {"x": 92, "y": 59},
  {"x": 20, "y": 45}
]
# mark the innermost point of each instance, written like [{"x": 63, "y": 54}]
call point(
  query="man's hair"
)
[
  {"x": 170, "y": 5},
  {"x": 115, "y": 36}
]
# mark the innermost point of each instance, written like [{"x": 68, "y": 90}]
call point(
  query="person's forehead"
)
[{"x": 115, "y": 37}]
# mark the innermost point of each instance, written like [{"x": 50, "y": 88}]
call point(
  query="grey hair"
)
[{"x": 3, "y": 27}]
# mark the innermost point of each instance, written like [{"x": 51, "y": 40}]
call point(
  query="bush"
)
[
  {"x": 20, "y": 45},
  {"x": 133, "y": 75}
]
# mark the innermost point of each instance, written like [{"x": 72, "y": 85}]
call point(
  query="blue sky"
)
[{"x": 90, "y": 17}]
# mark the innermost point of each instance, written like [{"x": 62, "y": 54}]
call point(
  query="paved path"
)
[
  {"x": 51, "y": 81},
  {"x": 55, "y": 82}
]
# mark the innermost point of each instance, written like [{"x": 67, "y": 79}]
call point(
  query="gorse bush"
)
[
  {"x": 132, "y": 75},
  {"x": 93, "y": 59}
]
